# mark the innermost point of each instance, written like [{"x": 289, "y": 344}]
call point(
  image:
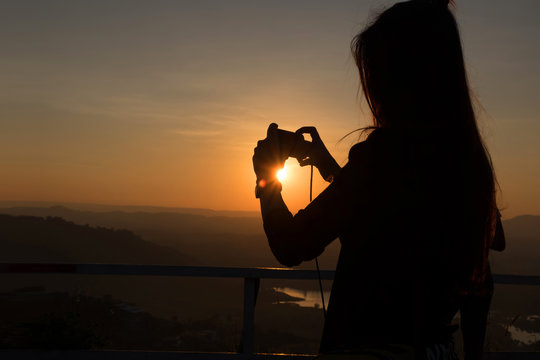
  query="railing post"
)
[{"x": 251, "y": 288}]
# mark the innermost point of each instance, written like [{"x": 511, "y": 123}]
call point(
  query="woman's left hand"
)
[
  {"x": 319, "y": 156},
  {"x": 267, "y": 158}
]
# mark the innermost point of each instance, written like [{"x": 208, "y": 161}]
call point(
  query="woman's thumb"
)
[{"x": 306, "y": 161}]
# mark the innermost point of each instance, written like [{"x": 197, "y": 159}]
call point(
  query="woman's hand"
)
[
  {"x": 267, "y": 158},
  {"x": 319, "y": 156}
]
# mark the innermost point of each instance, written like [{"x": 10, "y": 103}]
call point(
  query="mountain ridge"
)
[
  {"x": 53, "y": 239},
  {"x": 129, "y": 208}
]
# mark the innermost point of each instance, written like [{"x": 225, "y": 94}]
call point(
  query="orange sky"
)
[{"x": 161, "y": 103}]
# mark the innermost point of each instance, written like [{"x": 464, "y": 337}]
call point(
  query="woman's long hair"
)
[{"x": 413, "y": 76}]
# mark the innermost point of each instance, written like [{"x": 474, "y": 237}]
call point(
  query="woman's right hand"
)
[
  {"x": 319, "y": 156},
  {"x": 266, "y": 156}
]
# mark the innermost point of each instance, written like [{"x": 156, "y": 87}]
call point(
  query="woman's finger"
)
[
  {"x": 262, "y": 145},
  {"x": 311, "y": 130},
  {"x": 272, "y": 138},
  {"x": 306, "y": 161},
  {"x": 271, "y": 129}
]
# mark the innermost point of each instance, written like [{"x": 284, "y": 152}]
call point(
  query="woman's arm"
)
[
  {"x": 277, "y": 222},
  {"x": 304, "y": 236}
]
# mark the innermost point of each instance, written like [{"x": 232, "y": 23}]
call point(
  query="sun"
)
[{"x": 282, "y": 174}]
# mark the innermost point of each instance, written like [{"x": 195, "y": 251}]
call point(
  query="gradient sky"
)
[{"x": 161, "y": 102}]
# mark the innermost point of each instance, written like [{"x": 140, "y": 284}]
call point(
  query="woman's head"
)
[
  {"x": 413, "y": 77},
  {"x": 411, "y": 66}
]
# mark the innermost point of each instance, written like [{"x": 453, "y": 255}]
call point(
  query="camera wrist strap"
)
[{"x": 317, "y": 259}]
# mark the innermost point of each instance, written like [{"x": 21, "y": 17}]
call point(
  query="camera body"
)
[{"x": 292, "y": 145}]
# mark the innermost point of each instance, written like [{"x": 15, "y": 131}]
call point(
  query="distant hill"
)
[
  {"x": 522, "y": 253},
  {"x": 52, "y": 239},
  {"x": 213, "y": 240},
  {"x": 129, "y": 208},
  {"x": 136, "y": 220}
]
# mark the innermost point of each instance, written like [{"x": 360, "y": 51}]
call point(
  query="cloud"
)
[{"x": 197, "y": 132}]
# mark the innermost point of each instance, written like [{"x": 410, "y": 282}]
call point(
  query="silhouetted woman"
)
[{"x": 414, "y": 208}]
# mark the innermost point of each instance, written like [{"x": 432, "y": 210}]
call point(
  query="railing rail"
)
[
  {"x": 251, "y": 278},
  {"x": 165, "y": 270}
]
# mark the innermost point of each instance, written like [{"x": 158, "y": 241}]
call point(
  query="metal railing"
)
[{"x": 251, "y": 278}]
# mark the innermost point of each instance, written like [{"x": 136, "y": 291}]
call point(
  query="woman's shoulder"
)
[
  {"x": 376, "y": 145},
  {"x": 401, "y": 145}
]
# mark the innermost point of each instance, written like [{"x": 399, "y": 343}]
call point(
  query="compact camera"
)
[{"x": 292, "y": 145}]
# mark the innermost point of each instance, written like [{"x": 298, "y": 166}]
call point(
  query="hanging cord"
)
[{"x": 317, "y": 259}]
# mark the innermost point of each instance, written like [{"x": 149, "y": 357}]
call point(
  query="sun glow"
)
[{"x": 282, "y": 174}]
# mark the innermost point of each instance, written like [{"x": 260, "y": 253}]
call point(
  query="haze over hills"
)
[
  {"x": 212, "y": 240},
  {"x": 129, "y": 208},
  {"x": 136, "y": 220},
  {"x": 53, "y": 239}
]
